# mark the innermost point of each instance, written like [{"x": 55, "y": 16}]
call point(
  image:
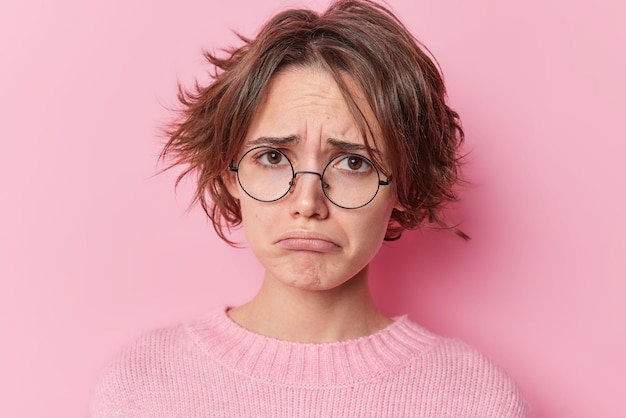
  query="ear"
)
[
  {"x": 397, "y": 205},
  {"x": 231, "y": 183}
]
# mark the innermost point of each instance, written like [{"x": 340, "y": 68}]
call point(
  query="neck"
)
[{"x": 312, "y": 316}]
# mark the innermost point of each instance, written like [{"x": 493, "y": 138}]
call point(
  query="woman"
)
[{"x": 323, "y": 136}]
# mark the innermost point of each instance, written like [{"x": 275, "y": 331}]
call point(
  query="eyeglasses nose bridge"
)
[{"x": 292, "y": 183}]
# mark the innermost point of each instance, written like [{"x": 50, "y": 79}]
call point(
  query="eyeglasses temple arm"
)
[{"x": 384, "y": 182}]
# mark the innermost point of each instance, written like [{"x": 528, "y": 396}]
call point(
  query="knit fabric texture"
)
[{"x": 214, "y": 368}]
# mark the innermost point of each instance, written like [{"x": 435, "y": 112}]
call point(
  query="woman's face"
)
[{"x": 303, "y": 239}]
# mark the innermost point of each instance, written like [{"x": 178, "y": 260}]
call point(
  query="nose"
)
[{"x": 307, "y": 197}]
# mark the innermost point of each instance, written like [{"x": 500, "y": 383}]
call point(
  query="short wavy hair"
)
[{"x": 357, "y": 39}]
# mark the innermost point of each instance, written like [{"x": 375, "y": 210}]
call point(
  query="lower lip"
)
[{"x": 307, "y": 244}]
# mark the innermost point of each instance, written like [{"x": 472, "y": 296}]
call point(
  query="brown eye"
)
[
  {"x": 355, "y": 163},
  {"x": 274, "y": 157}
]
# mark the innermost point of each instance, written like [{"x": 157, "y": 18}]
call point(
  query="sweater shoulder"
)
[
  {"x": 469, "y": 383},
  {"x": 139, "y": 372}
]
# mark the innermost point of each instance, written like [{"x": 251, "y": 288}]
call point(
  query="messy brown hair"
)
[{"x": 357, "y": 39}]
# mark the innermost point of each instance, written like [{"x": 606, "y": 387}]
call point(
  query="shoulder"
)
[
  {"x": 464, "y": 382},
  {"x": 142, "y": 373}
]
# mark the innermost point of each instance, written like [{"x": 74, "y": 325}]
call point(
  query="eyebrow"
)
[
  {"x": 275, "y": 141},
  {"x": 346, "y": 146}
]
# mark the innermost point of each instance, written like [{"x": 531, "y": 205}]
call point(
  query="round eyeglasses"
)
[{"x": 349, "y": 181}]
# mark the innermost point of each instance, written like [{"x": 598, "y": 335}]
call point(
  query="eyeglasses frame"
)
[{"x": 235, "y": 169}]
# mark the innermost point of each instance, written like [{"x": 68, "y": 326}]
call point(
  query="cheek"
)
[
  {"x": 256, "y": 219},
  {"x": 377, "y": 234},
  {"x": 373, "y": 228},
  {"x": 251, "y": 232}
]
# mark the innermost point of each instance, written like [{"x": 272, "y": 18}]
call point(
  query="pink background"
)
[{"x": 96, "y": 250}]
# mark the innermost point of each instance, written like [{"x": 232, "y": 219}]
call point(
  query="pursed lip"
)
[{"x": 307, "y": 241}]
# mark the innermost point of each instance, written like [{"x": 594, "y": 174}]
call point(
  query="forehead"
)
[
  {"x": 303, "y": 100},
  {"x": 303, "y": 89}
]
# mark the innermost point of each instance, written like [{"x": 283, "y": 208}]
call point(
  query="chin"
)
[
  {"x": 317, "y": 281},
  {"x": 310, "y": 282}
]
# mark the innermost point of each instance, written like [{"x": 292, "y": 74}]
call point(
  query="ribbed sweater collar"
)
[{"x": 309, "y": 365}]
